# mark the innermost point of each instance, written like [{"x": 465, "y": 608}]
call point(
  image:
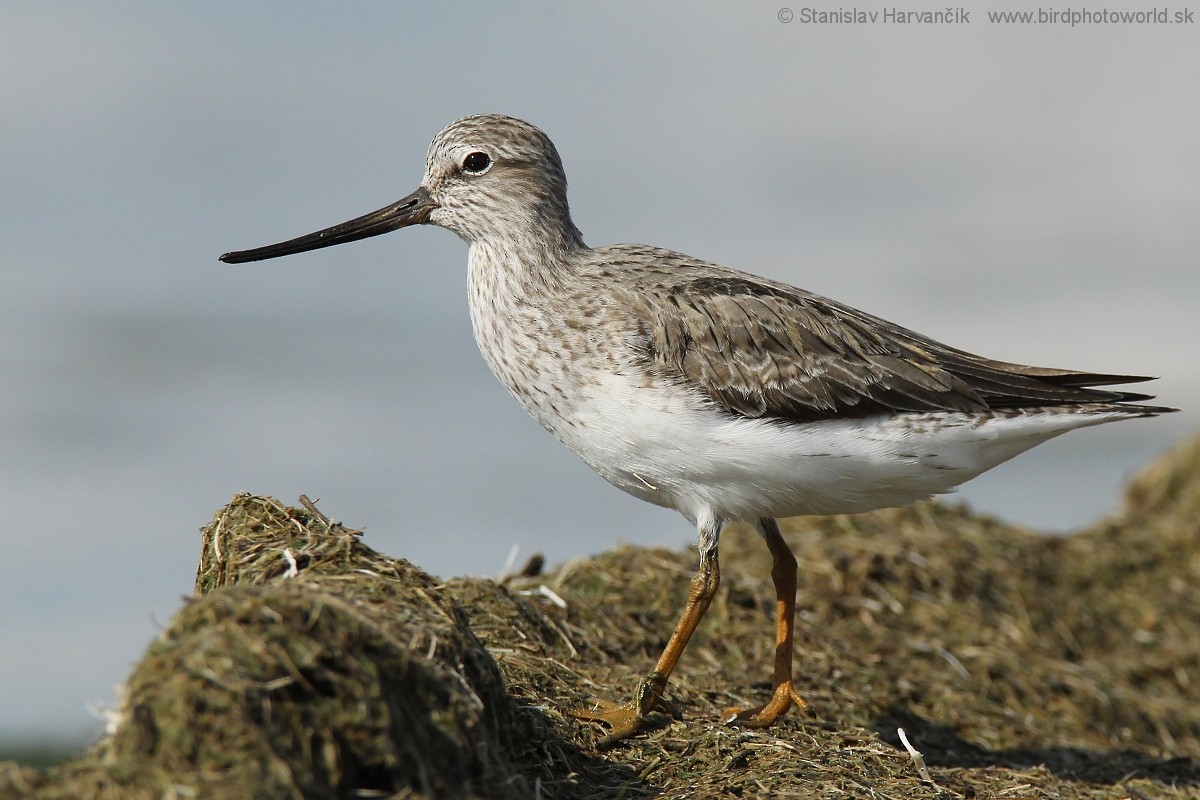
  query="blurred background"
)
[{"x": 1027, "y": 192}]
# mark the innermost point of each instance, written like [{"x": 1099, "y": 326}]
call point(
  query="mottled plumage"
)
[
  {"x": 712, "y": 391},
  {"x": 759, "y": 348}
]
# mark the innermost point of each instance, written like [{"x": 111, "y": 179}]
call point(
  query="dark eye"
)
[{"x": 476, "y": 163}]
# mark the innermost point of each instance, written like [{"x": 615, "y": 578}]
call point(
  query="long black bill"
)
[{"x": 412, "y": 210}]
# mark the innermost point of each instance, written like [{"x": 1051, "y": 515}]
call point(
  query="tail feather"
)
[
  {"x": 1143, "y": 411},
  {"x": 1072, "y": 387},
  {"x": 1093, "y": 381}
]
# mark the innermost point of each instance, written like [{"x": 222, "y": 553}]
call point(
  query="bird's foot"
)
[
  {"x": 624, "y": 719},
  {"x": 784, "y": 698},
  {"x": 629, "y": 719}
]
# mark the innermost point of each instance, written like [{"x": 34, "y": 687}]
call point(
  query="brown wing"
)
[{"x": 765, "y": 350}]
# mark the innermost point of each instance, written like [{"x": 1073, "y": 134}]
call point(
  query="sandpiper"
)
[{"x": 715, "y": 392}]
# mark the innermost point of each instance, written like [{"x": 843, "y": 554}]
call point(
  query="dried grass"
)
[{"x": 310, "y": 666}]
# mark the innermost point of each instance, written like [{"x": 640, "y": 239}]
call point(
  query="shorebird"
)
[{"x": 720, "y": 394}]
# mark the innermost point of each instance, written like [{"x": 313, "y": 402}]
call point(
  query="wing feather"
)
[{"x": 760, "y": 349}]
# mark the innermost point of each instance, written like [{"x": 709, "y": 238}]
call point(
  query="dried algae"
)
[{"x": 1018, "y": 665}]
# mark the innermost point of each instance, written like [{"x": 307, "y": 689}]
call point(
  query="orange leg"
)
[
  {"x": 783, "y": 574},
  {"x": 627, "y": 719}
]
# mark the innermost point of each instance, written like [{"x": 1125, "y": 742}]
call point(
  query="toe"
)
[
  {"x": 602, "y": 711},
  {"x": 623, "y": 720},
  {"x": 784, "y": 698}
]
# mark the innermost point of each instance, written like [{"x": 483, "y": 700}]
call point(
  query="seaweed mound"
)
[{"x": 309, "y": 666}]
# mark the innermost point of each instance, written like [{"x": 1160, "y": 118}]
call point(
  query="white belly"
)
[{"x": 674, "y": 450}]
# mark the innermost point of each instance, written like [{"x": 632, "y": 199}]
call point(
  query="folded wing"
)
[{"x": 759, "y": 349}]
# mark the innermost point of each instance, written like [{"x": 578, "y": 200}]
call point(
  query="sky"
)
[{"x": 1023, "y": 191}]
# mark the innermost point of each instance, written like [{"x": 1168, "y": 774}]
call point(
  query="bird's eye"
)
[{"x": 476, "y": 163}]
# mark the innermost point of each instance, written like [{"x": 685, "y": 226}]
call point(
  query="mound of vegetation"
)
[{"x": 1017, "y": 665}]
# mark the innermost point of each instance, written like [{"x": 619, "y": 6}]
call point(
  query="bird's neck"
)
[
  {"x": 512, "y": 287},
  {"x": 527, "y": 259}
]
